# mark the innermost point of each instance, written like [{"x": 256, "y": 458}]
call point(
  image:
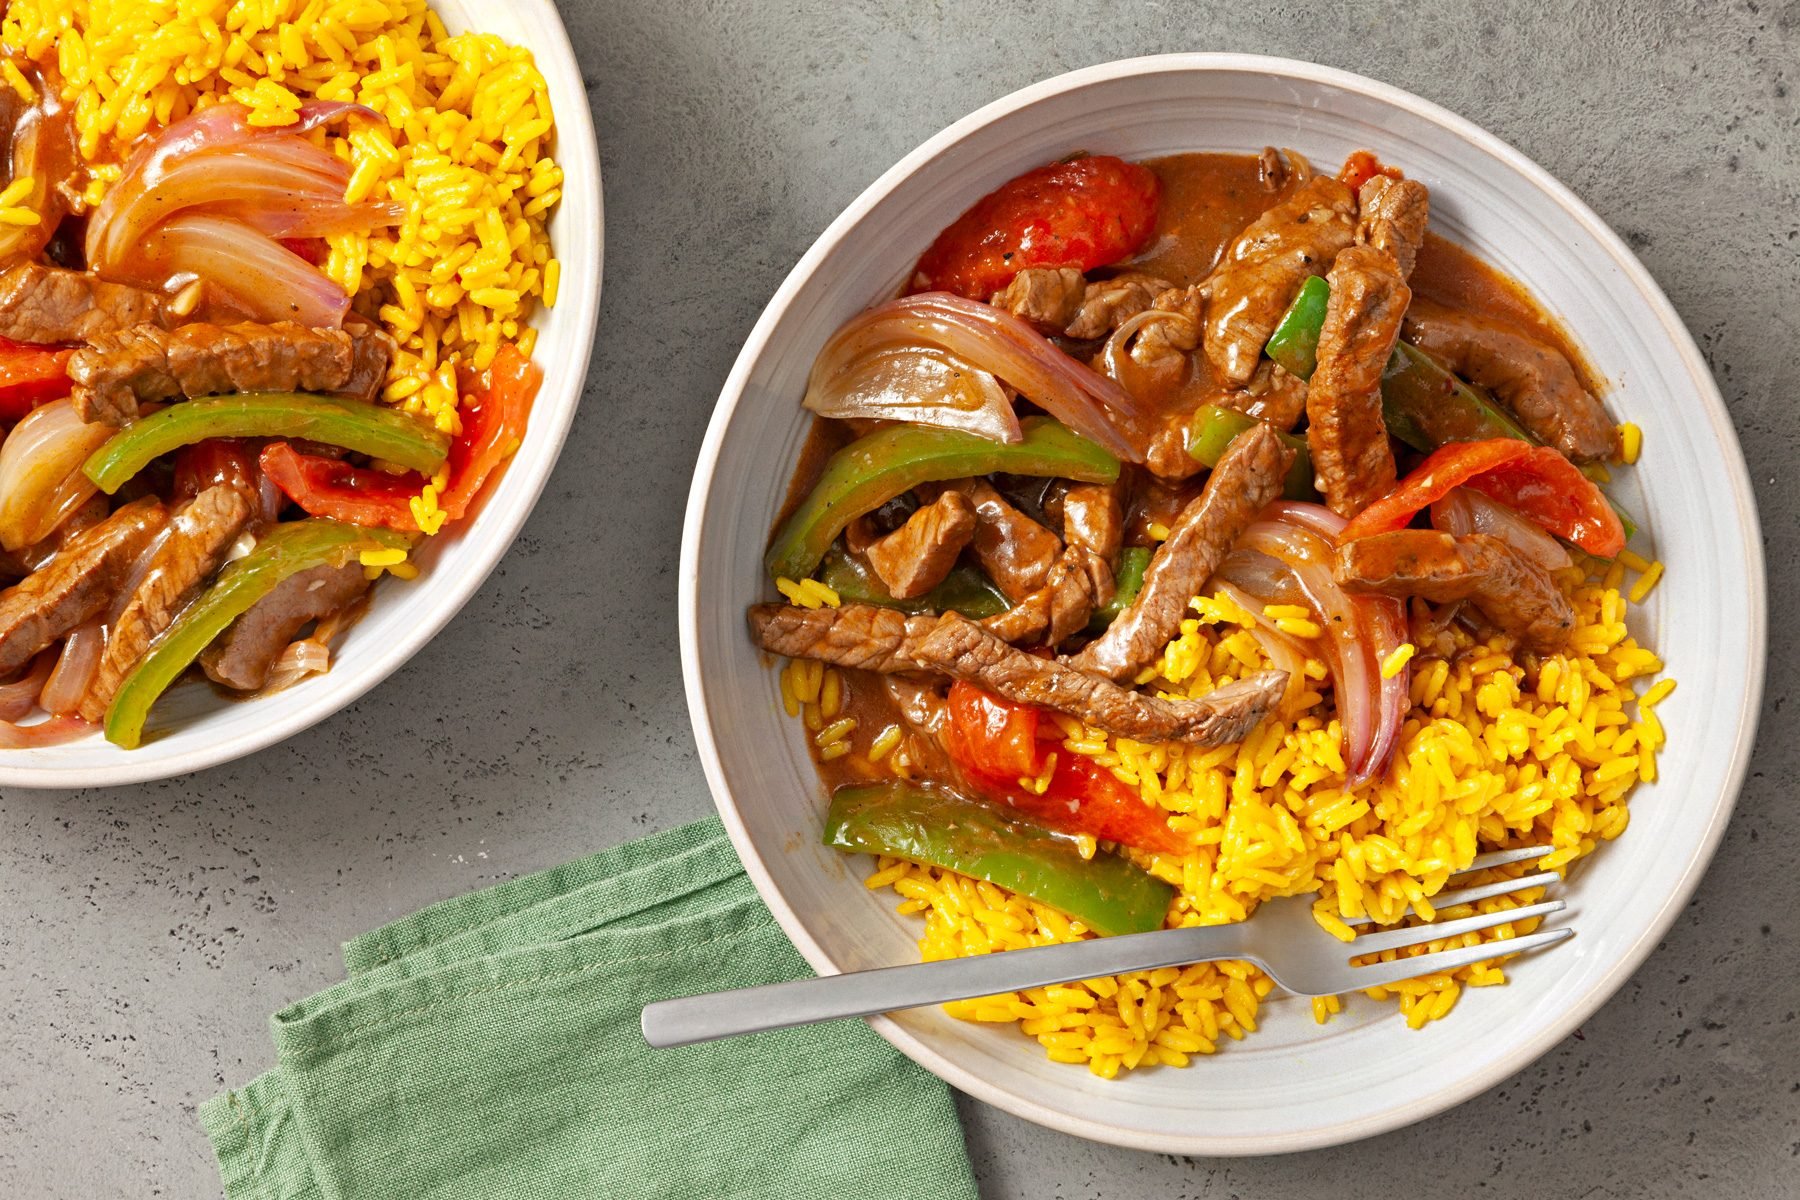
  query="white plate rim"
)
[
  {"x": 1742, "y": 499},
  {"x": 577, "y": 149}
]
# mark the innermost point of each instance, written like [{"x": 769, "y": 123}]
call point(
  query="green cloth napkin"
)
[{"x": 489, "y": 1047}]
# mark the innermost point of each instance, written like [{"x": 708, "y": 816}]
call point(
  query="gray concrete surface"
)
[{"x": 149, "y": 931}]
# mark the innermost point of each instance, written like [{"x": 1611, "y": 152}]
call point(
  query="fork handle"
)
[{"x": 715, "y": 1015}]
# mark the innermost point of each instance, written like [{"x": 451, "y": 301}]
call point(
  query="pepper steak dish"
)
[
  {"x": 1195, "y": 532},
  {"x": 264, "y": 305}
]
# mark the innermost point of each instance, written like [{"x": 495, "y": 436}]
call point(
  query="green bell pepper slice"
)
[
  {"x": 1295, "y": 343},
  {"x": 285, "y": 550},
  {"x": 371, "y": 429},
  {"x": 935, "y": 826},
  {"x": 874, "y": 469},
  {"x": 965, "y": 590},
  {"x": 1214, "y": 428},
  {"x": 1128, "y": 581}
]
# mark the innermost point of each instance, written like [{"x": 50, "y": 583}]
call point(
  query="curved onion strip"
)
[
  {"x": 1363, "y": 631},
  {"x": 41, "y": 481},
  {"x": 52, "y": 732},
  {"x": 922, "y": 385},
  {"x": 1285, "y": 653},
  {"x": 20, "y": 696},
  {"x": 1116, "y": 353},
  {"x": 265, "y": 278},
  {"x": 300, "y": 659},
  {"x": 999, "y": 343},
  {"x": 1465, "y": 510},
  {"x": 155, "y": 182},
  {"x": 75, "y": 668}
]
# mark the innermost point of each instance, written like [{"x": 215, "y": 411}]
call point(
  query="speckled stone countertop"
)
[{"x": 150, "y": 931}]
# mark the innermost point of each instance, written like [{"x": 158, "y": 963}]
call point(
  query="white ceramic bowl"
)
[
  {"x": 192, "y": 727},
  {"x": 1293, "y": 1084}
]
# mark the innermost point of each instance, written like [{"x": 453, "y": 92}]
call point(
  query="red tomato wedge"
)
[
  {"x": 493, "y": 415},
  {"x": 330, "y": 487},
  {"x": 1361, "y": 167},
  {"x": 1085, "y": 213},
  {"x": 994, "y": 743},
  {"x": 30, "y": 376},
  {"x": 1536, "y": 480}
]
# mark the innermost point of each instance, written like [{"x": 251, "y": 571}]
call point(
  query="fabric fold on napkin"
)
[{"x": 488, "y": 1046}]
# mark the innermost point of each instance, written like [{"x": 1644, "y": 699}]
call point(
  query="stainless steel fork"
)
[{"x": 1281, "y": 937}]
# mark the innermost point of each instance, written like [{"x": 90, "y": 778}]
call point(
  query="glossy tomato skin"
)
[
  {"x": 1084, "y": 213},
  {"x": 994, "y": 743}
]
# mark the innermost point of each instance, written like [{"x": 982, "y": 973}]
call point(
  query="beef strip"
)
[
  {"x": 75, "y": 585},
  {"x": 1048, "y": 297},
  {"x": 240, "y": 657},
  {"x": 1055, "y": 611},
  {"x": 118, "y": 370},
  {"x": 1513, "y": 593},
  {"x": 1248, "y": 477},
  {"x": 372, "y": 351},
  {"x": 879, "y": 639},
  {"x": 49, "y": 304},
  {"x": 1532, "y": 379},
  {"x": 1274, "y": 397},
  {"x": 1263, "y": 269},
  {"x": 1015, "y": 551},
  {"x": 915, "y": 557},
  {"x": 1394, "y": 213},
  {"x": 1109, "y": 303},
  {"x": 1093, "y": 520},
  {"x": 1345, "y": 431},
  {"x": 195, "y": 542}
]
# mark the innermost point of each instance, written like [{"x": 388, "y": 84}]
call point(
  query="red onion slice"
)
[
  {"x": 52, "y": 732},
  {"x": 75, "y": 668},
  {"x": 20, "y": 696},
  {"x": 993, "y": 341},
  {"x": 265, "y": 278},
  {"x": 1465, "y": 510}
]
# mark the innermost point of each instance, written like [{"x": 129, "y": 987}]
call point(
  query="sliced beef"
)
[
  {"x": 1345, "y": 431},
  {"x": 1109, "y": 303},
  {"x": 190, "y": 550},
  {"x": 1532, "y": 379},
  {"x": 76, "y": 585},
  {"x": 1015, "y": 551},
  {"x": 1093, "y": 517},
  {"x": 915, "y": 557},
  {"x": 1054, "y": 612},
  {"x": 147, "y": 362},
  {"x": 1394, "y": 213},
  {"x": 240, "y": 657},
  {"x": 1248, "y": 477},
  {"x": 1510, "y": 591},
  {"x": 1263, "y": 269},
  {"x": 961, "y": 649},
  {"x": 1048, "y": 297},
  {"x": 879, "y": 639},
  {"x": 372, "y": 351},
  {"x": 49, "y": 304},
  {"x": 864, "y": 637}
]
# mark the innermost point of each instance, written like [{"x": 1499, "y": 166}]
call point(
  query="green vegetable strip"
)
[
  {"x": 965, "y": 590},
  {"x": 370, "y": 429},
  {"x": 1127, "y": 583},
  {"x": 286, "y": 550},
  {"x": 874, "y": 469},
  {"x": 933, "y": 825},
  {"x": 1425, "y": 405},
  {"x": 1295, "y": 342},
  {"x": 1214, "y": 428}
]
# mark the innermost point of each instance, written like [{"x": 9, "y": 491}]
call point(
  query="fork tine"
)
[
  {"x": 1500, "y": 858},
  {"x": 1412, "y": 935},
  {"x": 1483, "y": 891},
  {"x": 1382, "y": 974}
]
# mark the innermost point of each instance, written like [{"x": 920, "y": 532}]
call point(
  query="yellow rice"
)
[
  {"x": 466, "y": 151},
  {"x": 1500, "y": 749}
]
